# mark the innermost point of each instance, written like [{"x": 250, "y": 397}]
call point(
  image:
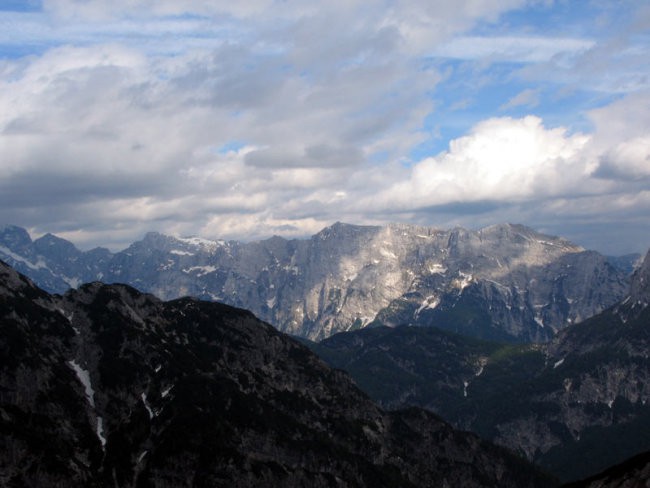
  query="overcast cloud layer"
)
[{"x": 248, "y": 119}]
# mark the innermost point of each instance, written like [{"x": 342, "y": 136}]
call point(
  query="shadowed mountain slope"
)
[{"x": 106, "y": 386}]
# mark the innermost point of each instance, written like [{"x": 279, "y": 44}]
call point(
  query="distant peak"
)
[
  {"x": 13, "y": 236},
  {"x": 341, "y": 228},
  {"x": 53, "y": 240}
]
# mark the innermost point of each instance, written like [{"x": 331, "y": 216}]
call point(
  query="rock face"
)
[
  {"x": 106, "y": 386},
  {"x": 575, "y": 405},
  {"x": 504, "y": 282}
]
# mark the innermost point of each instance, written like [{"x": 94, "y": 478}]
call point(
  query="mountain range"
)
[
  {"x": 107, "y": 386},
  {"x": 574, "y": 405},
  {"x": 504, "y": 282},
  {"x": 524, "y": 339}
]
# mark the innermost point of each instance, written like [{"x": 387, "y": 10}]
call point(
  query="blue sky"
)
[{"x": 244, "y": 120}]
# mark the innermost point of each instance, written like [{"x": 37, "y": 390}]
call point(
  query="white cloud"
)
[
  {"x": 501, "y": 159},
  {"x": 622, "y": 137},
  {"x": 628, "y": 160},
  {"x": 513, "y": 48}
]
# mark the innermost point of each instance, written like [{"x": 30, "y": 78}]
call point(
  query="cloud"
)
[
  {"x": 527, "y": 98},
  {"x": 622, "y": 138},
  {"x": 517, "y": 49},
  {"x": 627, "y": 160},
  {"x": 244, "y": 119},
  {"x": 318, "y": 155},
  {"x": 501, "y": 159}
]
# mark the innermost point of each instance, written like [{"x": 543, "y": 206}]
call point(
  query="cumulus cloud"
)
[
  {"x": 628, "y": 160},
  {"x": 500, "y": 159}
]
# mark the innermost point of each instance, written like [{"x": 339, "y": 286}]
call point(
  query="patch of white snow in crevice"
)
[
  {"x": 465, "y": 385},
  {"x": 200, "y": 270},
  {"x": 141, "y": 456},
  {"x": 17, "y": 257},
  {"x": 100, "y": 431},
  {"x": 430, "y": 302},
  {"x": 84, "y": 378},
  {"x": 271, "y": 302},
  {"x": 558, "y": 363},
  {"x": 72, "y": 282},
  {"x": 69, "y": 318},
  {"x": 463, "y": 280},
  {"x": 181, "y": 253},
  {"x": 539, "y": 321},
  {"x": 201, "y": 242},
  {"x": 482, "y": 362},
  {"x": 437, "y": 268},
  {"x": 146, "y": 405},
  {"x": 166, "y": 391}
]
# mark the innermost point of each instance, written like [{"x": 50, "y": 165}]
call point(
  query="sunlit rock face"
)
[
  {"x": 106, "y": 386},
  {"x": 504, "y": 282},
  {"x": 585, "y": 391}
]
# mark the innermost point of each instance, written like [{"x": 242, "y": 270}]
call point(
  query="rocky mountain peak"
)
[
  {"x": 348, "y": 276},
  {"x": 341, "y": 230},
  {"x": 49, "y": 244},
  {"x": 14, "y": 237}
]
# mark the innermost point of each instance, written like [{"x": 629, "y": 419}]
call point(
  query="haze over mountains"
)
[{"x": 504, "y": 282}]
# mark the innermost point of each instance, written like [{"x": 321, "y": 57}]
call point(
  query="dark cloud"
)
[{"x": 314, "y": 156}]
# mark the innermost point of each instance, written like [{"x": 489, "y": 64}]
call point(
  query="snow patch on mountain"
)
[
  {"x": 146, "y": 405},
  {"x": 178, "y": 252},
  {"x": 200, "y": 242},
  {"x": 430, "y": 302},
  {"x": 84, "y": 378},
  {"x": 18, "y": 258},
  {"x": 200, "y": 270}
]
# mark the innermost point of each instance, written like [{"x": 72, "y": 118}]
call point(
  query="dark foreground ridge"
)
[
  {"x": 106, "y": 386},
  {"x": 574, "y": 406}
]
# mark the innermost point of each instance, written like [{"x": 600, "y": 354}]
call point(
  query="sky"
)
[{"x": 243, "y": 120}]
